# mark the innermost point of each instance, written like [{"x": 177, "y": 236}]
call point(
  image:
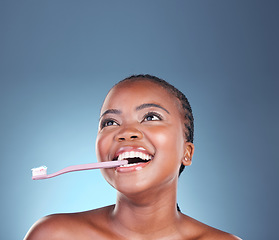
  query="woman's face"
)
[{"x": 140, "y": 121}]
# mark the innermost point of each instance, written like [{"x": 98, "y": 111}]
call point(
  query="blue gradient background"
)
[{"x": 59, "y": 59}]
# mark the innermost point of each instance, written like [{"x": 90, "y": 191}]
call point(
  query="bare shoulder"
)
[
  {"x": 218, "y": 235},
  {"x": 81, "y": 225},
  {"x": 49, "y": 227},
  {"x": 56, "y": 226},
  {"x": 201, "y": 231}
]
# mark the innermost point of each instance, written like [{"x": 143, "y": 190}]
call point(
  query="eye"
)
[
  {"x": 152, "y": 116},
  {"x": 108, "y": 122}
]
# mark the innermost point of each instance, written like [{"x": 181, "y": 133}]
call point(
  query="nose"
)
[{"x": 128, "y": 134}]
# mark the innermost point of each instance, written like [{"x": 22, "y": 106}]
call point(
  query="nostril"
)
[{"x": 128, "y": 134}]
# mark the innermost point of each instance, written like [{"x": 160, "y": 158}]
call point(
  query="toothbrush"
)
[{"x": 41, "y": 172}]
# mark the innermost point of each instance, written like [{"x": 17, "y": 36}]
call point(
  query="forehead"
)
[{"x": 139, "y": 92}]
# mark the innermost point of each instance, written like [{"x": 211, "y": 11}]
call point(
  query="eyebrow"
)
[
  {"x": 142, "y": 106},
  {"x": 148, "y": 105},
  {"x": 114, "y": 111}
]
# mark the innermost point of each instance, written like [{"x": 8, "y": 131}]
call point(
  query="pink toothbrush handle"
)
[{"x": 88, "y": 166}]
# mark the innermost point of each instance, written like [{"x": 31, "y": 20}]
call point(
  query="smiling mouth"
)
[{"x": 134, "y": 158}]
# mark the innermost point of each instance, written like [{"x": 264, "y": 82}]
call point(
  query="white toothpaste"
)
[{"x": 39, "y": 171}]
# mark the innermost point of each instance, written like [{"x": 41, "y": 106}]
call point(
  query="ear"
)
[{"x": 188, "y": 154}]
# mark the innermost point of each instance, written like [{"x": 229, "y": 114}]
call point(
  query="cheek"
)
[
  {"x": 170, "y": 141},
  {"x": 102, "y": 146},
  {"x": 162, "y": 139}
]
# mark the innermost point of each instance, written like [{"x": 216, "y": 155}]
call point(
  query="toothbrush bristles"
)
[{"x": 39, "y": 171}]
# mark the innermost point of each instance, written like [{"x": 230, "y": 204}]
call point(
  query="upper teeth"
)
[{"x": 133, "y": 154}]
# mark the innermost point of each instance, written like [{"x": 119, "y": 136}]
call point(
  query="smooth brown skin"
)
[{"x": 146, "y": 199}]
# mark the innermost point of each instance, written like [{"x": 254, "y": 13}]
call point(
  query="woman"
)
[{"x": 150, "y": 123}]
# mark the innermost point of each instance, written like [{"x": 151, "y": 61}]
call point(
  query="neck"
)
[{"x": 146, "y": 212}]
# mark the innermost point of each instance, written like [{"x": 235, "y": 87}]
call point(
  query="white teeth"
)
[
  {"x": 129, "y": 165},
  {"x": 134, "y": 154}
]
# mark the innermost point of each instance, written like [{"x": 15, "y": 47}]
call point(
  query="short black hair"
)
[{"x": 185, "y": 105}]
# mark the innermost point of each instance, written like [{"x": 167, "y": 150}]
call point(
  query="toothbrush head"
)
[{"x": 39, "y": 172}]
